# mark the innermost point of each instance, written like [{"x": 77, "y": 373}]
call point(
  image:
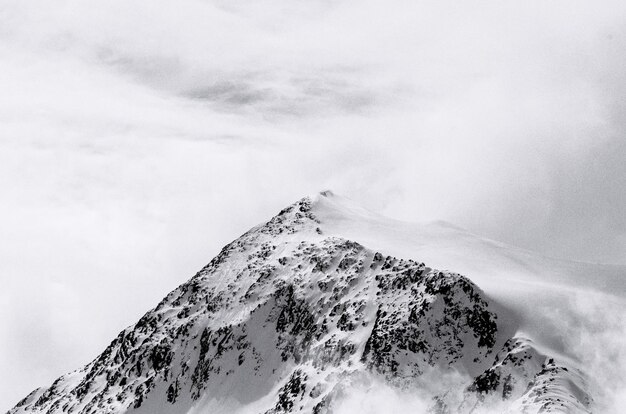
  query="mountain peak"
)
[{"x": 293, "y": 310}]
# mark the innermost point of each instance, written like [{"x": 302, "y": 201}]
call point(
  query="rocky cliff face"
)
[{"x": 286, "y": 317}]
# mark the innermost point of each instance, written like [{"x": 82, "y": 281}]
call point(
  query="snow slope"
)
[{"x": 327, "y": 298}]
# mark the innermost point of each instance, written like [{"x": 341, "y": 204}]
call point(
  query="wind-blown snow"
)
[{"x": 576, "y": 308}]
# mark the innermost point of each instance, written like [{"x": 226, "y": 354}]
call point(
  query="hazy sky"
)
[{"x": 138, "y": 137}]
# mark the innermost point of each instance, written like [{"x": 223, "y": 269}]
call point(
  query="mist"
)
[
  {"x": 590, "y": 328},
  {"x": 137, "y": 138}
]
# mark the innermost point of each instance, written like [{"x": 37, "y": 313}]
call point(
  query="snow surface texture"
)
[{"x": 297, "y": 316}]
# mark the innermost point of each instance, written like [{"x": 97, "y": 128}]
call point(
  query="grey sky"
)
[{"x": 136, "y": 138}]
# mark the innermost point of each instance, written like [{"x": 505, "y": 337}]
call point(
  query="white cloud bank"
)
[{"x": 138, "y": 137}]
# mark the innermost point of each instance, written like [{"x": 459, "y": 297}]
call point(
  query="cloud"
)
[
  {"x": 587, "y": 330},
  {"x": 136, "y": 138},
  {"x": 381, "y": 398},
  {"x": 595, "y": 335}
]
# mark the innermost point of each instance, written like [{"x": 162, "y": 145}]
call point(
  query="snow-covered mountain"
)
[{"x": 327, "y": 298}]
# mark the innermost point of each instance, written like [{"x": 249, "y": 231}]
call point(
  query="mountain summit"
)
[{"x": 301, "y": 312}]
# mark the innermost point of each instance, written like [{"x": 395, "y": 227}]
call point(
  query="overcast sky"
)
[{"x": 138, "y": 137}]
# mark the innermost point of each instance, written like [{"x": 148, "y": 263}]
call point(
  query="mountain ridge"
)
[{"x": 288, "y": 312}]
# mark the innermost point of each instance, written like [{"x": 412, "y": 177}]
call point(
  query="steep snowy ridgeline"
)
[
  {"x": 286, "y": 317},
  {"x": 442, "y": 245}
]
